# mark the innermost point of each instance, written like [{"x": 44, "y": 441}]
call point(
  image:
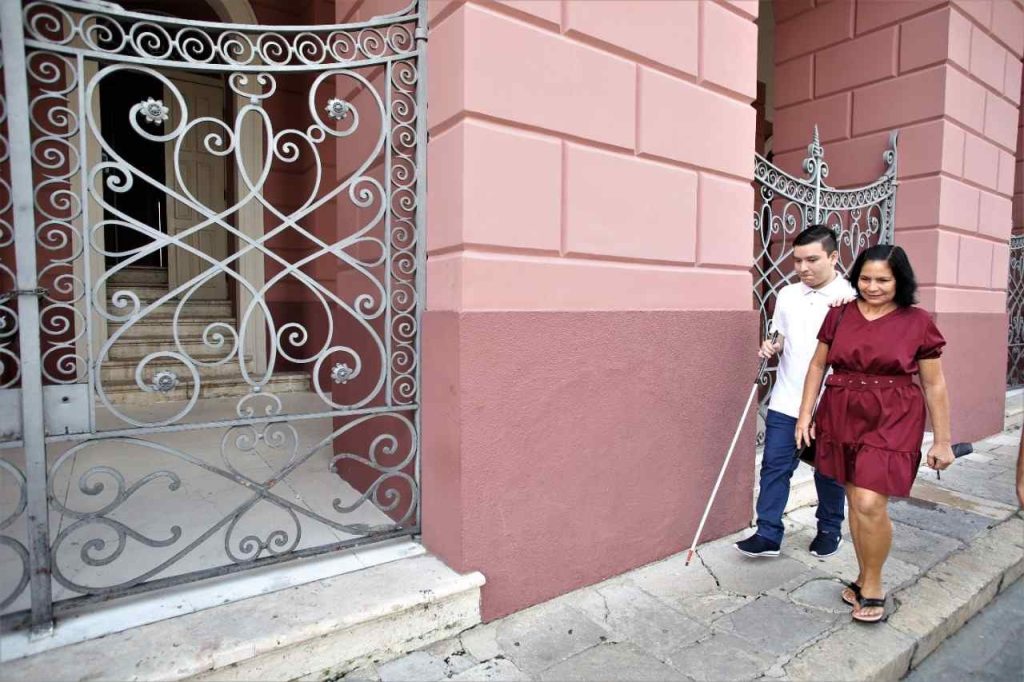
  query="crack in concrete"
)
[
  {"x": 607, "y": 610},
  {"x": 703, "y": 563}
]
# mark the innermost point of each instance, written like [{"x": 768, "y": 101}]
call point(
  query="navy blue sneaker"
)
[
  {"x": 826, "y": 544},
  {"x": 757, "y": 546}
]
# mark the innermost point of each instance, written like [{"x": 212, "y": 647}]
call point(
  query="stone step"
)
[
  {"x": 326, "y": 628},
  {"x": 191, "y": 309},
  {"x": 139, "y": 347},
  {"x": 118, "y": 371},
  {"x": 128, "y": 393},
  {"x": 148, "y": 295},
  {"x": 139, "y": 275},
  {"x": 159, "y": 327}
]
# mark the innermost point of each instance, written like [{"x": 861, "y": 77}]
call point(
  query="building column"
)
[
  {"x": 948, "y": 76},
  {"x": 590, "y": 340}
]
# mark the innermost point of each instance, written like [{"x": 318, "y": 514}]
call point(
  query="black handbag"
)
[{"x": 807, "y": 452}]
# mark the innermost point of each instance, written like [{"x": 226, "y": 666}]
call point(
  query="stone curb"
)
[{"x": 927, "y": 612}]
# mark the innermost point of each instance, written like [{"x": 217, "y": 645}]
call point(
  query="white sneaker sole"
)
[
  {"x": 759, "y": 555},
  {"x": 822, "y": 556}
]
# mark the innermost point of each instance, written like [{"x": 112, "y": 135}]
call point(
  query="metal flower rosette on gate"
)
[{"x": 322, "y": 201}]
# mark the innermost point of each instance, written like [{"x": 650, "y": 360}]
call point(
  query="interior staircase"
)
[{"x": 154, "y": 333}]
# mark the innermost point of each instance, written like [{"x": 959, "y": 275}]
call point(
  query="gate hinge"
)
[
  {"x": 421, "y": 33},
  {"x": 8, "y": 295}
]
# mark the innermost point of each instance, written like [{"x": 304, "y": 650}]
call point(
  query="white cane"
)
[{"x": 728, "y": 456}]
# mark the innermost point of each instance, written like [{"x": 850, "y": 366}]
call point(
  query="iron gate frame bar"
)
[{"x": 22, "y": 189}]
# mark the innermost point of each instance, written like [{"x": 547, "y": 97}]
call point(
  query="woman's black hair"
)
[{"x": 906, "y": 283}]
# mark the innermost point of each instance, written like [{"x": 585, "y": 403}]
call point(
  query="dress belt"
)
[{"x": 864, "y": 381}]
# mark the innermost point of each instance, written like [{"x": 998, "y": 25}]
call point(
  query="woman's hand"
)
[
  {"x": 842, "y": 300},
  {"x": 940, "y": 456},
  {"x": 804, "y": 431}
]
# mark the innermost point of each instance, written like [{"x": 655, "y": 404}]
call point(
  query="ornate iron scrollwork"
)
[
  {"x": 1015, "y": 315},
  {"x": 363, "y": 334}
]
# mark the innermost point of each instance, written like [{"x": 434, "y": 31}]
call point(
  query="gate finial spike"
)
[{"x": 817, "y": 139}]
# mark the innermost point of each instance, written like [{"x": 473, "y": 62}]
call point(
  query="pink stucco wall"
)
[
  {"x": 589, "y": 321},
  {"x": 948, "y": 75},
  {"x": 1018, "y": 183}
]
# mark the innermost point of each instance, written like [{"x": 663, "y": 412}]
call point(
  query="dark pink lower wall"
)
[
  {"x": 974, "y": 363},
  {"x": 563, "y": 448}
]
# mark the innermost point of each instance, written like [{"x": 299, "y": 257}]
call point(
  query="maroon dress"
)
[{"x": 870, "y": 421}]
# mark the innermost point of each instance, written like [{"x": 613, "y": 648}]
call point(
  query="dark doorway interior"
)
[{"x": 119, "y": 92}]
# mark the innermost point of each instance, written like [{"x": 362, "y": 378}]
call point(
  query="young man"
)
[{"x": 800, "y": 309}]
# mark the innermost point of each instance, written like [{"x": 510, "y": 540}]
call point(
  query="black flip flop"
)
[
  {"x": 853, "y": 587},
  {"x": 870, "y": 602}
]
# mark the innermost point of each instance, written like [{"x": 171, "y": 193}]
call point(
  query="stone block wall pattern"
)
[
  {"x": 588, "y": 283},
  {"x": 947, "y": 74}
]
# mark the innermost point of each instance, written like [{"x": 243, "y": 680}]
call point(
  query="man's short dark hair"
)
[
  {"x": 906, "y": 283},
  {"x": 818, "y": 233}
]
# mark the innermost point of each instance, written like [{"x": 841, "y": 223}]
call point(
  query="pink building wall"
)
[
  {"x": 948, "y": 76},
  {"x": 588, "y": 340},
  {"x": 1018, "y": 183}
]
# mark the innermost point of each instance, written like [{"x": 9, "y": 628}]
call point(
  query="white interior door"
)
[{"x": 204, "y": 176}]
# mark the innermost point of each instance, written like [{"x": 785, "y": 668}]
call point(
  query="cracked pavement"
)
[{"x": 729, "y": 617}]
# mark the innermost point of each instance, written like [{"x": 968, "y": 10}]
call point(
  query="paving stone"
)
[
  {"x": 783, "y": 591},
  {"x": 415, "y": 667},
  {"x": 744, "y": 575},
  {"x": 998, "y": 511},
  {"x": 366, "y": 673},
  {"x": 920, "y": 547},
  {"x": 1009, "y": 437},
  {"x": 672, "y": 581},
  {"x": 854, "y": 652},
  {"x": 631, "y": 615},
  {"x": 941, "y": 519},
  {"x": 929, "y": 613},
  {"x": 982, "y": 483},
  {"x": 542, "y": 636},
  {"x": 806, "y": 517},
  {"x": 774, "y": 625},
  {"x": 977, "y": 569},
  {"x": 708, "y": 608},
  {"x": 495, "y": 670},
  {"x": 453, "y": 653},
  {"x": 822, "y": 594},
  {"x": 612, "y": 661},
  {"x": 957, "y": 588},
  {"x": 843, "y": 564},
  {"x": 987, "y": 648},
  {"x": 481, "y": 642},
  {"x": 1012, "y": 530},
  {"x": 721, "y": 657}
]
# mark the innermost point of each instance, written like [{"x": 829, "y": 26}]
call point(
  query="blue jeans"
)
[{"x": 777, "y": 467}]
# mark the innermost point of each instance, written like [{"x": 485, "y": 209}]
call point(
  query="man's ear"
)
[{"x": 834, "y": 256}]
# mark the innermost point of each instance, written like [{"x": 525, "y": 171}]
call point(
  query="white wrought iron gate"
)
[
  {"x": 1015, "y": 315},
  {"x": 786, "y": 205},
  {"x": 211, "y": 253}
]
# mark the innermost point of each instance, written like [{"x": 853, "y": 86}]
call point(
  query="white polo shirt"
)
[{"x": 799, "y": 312}]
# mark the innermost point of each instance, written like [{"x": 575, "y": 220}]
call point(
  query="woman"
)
[{"x": 870, "y": 421}]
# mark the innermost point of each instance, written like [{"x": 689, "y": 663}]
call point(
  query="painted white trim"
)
[{"x": 131, "y": 612}]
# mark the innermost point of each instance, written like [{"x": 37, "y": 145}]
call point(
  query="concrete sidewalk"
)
[{"x": 957, "y": 542}]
